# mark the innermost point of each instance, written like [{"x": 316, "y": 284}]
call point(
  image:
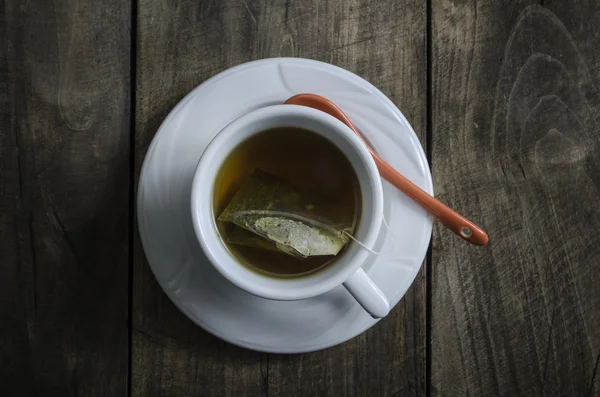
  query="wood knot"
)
[{"x": 555, "y": 148}]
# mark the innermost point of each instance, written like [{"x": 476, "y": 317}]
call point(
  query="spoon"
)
[{"x": 460, "y": 225}]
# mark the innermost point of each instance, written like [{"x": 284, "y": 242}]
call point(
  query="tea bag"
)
[
  {"x": 268, "y": 213},
  {"x": 234, "y": 234}
]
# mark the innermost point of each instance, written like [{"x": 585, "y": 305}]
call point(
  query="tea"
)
[{"x": 283, "y": 161}]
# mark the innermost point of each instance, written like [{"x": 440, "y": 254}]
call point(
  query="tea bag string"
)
[{"x": 347, "y": 233}]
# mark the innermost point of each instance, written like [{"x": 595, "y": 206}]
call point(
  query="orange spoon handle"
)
[{"x": 460, "y": 225}]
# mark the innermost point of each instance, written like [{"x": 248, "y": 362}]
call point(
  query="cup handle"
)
[{"x": 368, "y": 295}]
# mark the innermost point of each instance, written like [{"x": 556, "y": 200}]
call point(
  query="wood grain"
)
[
  {"x": 516, "y": 106},
  {"x": 64, "y": 150},
  {"x": 181, "y": 44}
]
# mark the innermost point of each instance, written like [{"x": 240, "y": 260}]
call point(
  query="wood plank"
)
[
  {"x": 181, "y": 44},
  {"x": 384, "y": 42},
  {"x": 516, "y": 107},
  {"x": 64, "y": 179}
]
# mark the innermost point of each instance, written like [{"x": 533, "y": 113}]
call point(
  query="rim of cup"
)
[{"x": 202, "y": 195}]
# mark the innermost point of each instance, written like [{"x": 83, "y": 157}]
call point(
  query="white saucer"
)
[{"x": 174, "y": 254}]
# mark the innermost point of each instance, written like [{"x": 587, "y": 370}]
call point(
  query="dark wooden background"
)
[{"x": 505, "y": 96}]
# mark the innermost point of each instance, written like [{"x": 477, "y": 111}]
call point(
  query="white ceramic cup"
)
[{"x": 345, "y": 270}]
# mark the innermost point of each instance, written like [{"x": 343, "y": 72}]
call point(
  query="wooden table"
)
[{"x": 505, "y": 96}]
